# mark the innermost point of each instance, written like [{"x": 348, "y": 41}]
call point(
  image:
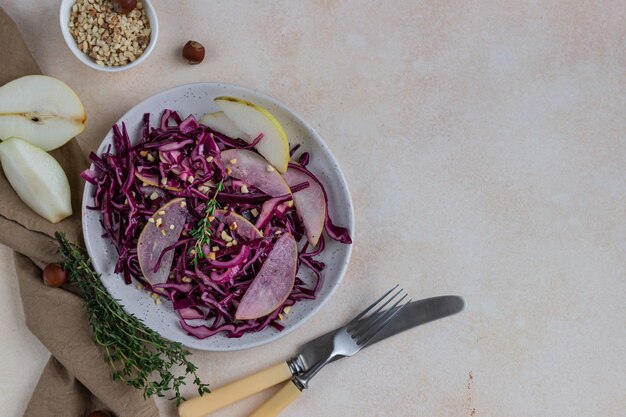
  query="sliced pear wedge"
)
[
  {"x": 37, "y": 178},
  {"x": 310, "y": 203},
  {"x": 153, "y": 180},
  {"x": 244, "y": 227},
  {"x": 273, "y": 284},
  {"x": 252, "y": 169},
  {"x": 255, "y": 120},
  {"x": 42, "y": 110},
  {"x": 219, "y": 122},
  {"x": 162, "y": 231}
]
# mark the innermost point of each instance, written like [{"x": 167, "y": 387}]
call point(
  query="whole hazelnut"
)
[
  {"x": 124, "y": 6},
  {"x": 54, "y": 275},
  {"x": 193, "y": 52}
]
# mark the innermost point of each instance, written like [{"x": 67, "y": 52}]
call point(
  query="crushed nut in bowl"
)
[{"x": 107, "y": 37}]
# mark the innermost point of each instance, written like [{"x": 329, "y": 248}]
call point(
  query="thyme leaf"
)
[{"x": 137, "y": 355}]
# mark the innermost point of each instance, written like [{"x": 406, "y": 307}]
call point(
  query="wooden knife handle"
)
[
  {"x": 275, "y": 405},
  {"x": 235, "y": 391}
]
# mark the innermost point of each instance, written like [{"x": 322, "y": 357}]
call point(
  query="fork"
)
[{"x": 347, "y": 342}]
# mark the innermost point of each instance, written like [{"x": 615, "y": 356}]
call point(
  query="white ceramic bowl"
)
[
  {"x": 197, "y": 99},
  {"x": 64, "y": 16}
]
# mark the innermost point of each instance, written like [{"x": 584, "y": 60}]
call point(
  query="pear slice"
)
[
  {"x": 255, "y": 120},
  {"x": 42, "y": 110},
  {"x": 37, "y": 178},
  {"x": 252, "y": 169},
  {"x": 273, "y": 284},
  {"x": 159, "y": 233},
  {"x": 244, "y": 227},
  {"x": 219, "y": 122},
  {"x": 309, "y": 202},
  {"x": 153, "y": 180}
]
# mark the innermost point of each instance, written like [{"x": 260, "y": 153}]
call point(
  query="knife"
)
[{"x": 413, "y": 314}]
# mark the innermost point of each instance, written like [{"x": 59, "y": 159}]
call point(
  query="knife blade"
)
[{"x": 412, "y": 315}]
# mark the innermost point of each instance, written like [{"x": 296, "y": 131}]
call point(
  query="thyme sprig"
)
[
  {"x": 202, "y": 231},
  {"x": 137, "y": 354}
]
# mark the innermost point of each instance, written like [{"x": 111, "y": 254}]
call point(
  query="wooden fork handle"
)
[
  {"x": 235, "y": 391},
  {"x": 275, "y": 405}
]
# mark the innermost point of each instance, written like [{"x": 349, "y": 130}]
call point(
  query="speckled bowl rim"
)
[{"x": 337, "y": 189}]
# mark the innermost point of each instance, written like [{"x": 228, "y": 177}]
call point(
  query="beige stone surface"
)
[{"x": 485, "y": 147}]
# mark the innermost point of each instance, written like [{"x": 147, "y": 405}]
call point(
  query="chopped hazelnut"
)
[{"x": 107, "y": 37}]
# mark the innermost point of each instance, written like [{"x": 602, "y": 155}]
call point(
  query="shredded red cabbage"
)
[{"x": 180, "y": 158}]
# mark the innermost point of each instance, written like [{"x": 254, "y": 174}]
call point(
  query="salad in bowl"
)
[{"x": 217, "y": 217}]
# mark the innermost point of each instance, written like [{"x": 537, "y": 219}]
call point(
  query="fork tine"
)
[
  {"x": 389, "y": 314},
  {"x": 374, "y": 320},
  {"x": 364, "y": 312},
  {"x": 367, "y": 322}
]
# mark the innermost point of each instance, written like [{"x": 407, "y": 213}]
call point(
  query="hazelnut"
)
[
  {"x": 54, "y": 275},
  {"x": 124, "y": 6},
  {"x": 193, "y": 52}
]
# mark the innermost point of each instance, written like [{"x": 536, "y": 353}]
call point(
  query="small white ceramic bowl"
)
[{"x": 64, "y": 16}]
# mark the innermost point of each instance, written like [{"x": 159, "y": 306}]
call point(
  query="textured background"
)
[{"x": 485, "y": 147}]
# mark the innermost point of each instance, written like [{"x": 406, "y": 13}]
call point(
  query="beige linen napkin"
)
[{"x": 76, "y": 380}]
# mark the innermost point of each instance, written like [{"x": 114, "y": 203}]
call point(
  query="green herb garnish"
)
[
  {"x": 137, "y": 354},
  {"x": 202, "y": 232}
]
